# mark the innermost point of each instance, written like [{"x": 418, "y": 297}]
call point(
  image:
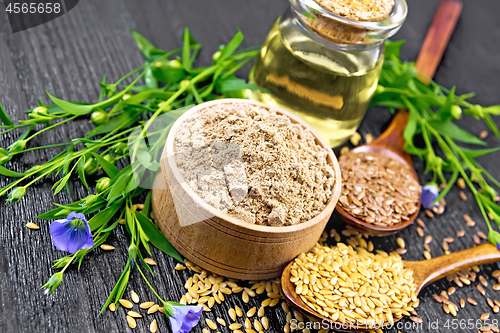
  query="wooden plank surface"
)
[{"x": 70, "y": 54}]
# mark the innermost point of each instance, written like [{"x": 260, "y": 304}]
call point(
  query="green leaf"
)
[
  {"x": 455, "y": 132},
  {"x": 61, "y": 183},
  {"x": 393, "y": 49},
  {"x": 491, "y": 124},
  {"x": 119, "y": 288},
  {"x": 147, "y": 204},
  {"x": 231, "y": 46},
  {"x": 156, "y": 237},
  {"x": 188, "y": 43},
  {"x": 475, "y": 153},
  {"x": 147, "y": 49},
  {"x": 118, "y": 186},
  {"x": 4, "y": 117},
  {"x": 109, "y": 168},
  {"x": 81, "y": 172},
  {"x": 72, "y": 108},
  {"x": 104, "y": 216},
  {"x": 9, "y": 173},
  {"x": 444, "y": 113}
]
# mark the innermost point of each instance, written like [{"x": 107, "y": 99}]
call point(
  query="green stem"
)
[{"x": 147, "y": 282}]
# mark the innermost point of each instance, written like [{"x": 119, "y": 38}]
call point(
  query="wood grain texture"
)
[{"x": 69, "y": 55}]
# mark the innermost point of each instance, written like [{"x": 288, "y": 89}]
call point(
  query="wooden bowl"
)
[{"x": 221, "y": 243}]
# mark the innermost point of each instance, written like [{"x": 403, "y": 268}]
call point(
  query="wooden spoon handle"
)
[
  {"x": 428, "y": 271},
  {"x": 428, "y": 59}
]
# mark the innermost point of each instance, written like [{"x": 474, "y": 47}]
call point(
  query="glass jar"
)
[{"x": 323, "y": 67}]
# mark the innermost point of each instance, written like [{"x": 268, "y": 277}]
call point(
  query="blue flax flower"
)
[
  {"x": 72, "y": 233},
  {"x": 429, "y": 193},
  {"x": 185, "y": 318}
]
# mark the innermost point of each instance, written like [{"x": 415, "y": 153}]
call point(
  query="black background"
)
[{"x": 69, "y": 55}]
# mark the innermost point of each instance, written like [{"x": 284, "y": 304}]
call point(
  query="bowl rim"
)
[{"x": 325, "y": 213}]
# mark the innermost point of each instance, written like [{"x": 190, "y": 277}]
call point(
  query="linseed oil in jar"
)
[{"x": 324, "y": 70}]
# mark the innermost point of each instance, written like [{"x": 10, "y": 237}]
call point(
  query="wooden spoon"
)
[
  {"x": 424, "y": 273},
  {"x": 391, "y": 142}
]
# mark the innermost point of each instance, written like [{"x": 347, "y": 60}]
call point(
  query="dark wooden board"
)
[{"x": 70, "y": 54}]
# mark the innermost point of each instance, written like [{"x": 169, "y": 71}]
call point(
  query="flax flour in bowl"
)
[{"x": 254, "y": 164}]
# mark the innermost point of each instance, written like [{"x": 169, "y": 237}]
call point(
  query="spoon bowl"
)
[
  {"x": 424, "y": 273},
  {"x": 391, "y": 144}
]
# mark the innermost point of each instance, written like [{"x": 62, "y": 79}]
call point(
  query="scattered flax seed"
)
[
  {"x": 154, "y": 326},
  {"x": 420, "y": 232},
  {"x": 461, "y": 233},
  {"x": 401, "y": 243},
  {"x": 483, "y": 135},
  {"x": 368, "y": 138},
  {"x": 428, "y": 239},
  {"x": 496, "y": 274},
  {"x": 437, "y": 298},
  {"x": 251, "y": 312},
  {"x": 496, "y": 309},
  {"x": 401, "y": 251},
  {"x": 211, "y": 324},
  {"x": 146, "y": 305},
  {"x": 420, "y": 222},
  {"x": 496, "y": 287},
  {"x": 471, "y": 301},
  {"x": 451, "y": 291},
  {"x": 205, "y": 330},
  {"x": 248, "y": 323},
  {"x": 444, "y": 295},
  {"x": 481, "y": 289},
  {"x": 134, "y": 314},
  {"x": 235, "y": 326},
  {"x": 416, "y": 319},
  {"x": 131, "y": 322},
  {"x": 463, "y": 196},
  {"x": 134, "y": 296},
  {"x": 221, "y": 321},
  {"x": 490, "y": 302},
  {"x": 153, "y": 309},
  {"x": 126, "y": 303},
  {"x": 239, "y": 313},
  {"x": 452, "y": 309},
  {"x": 464, "y": 280},
  {"x": 462, "y": 303},
  {"x": 427, "y": 255},
  {"x": 122, "y": 221},
  {"x": 274, "y": 302},
  {"x": 179, "y": 267},
  {"x": 285, "y": 307},
  {"x": 476, "y": 239},
  {"x": 449, "y": 240},
  {"x": 461, "y": 183},
  {"x": 150, "y": 261},
  {"x": 445, "y": 246},
  {"x": 344, "y": 150},
  {"x": 355, "y": 138},
  {"x": 485, "y": 316},
  {"x": 446, "y": 309},
  {"x": 482, "y": 235},
  {"x": 483, "y": 281},
  {"x": 32, "y": 225},
  {"x": 429, "y": 213},
  {"x": 112, "y": 307},
  {"x": 106, "y": 247}
]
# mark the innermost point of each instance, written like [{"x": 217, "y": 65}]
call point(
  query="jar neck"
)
[{"x": 340, "y": 30}]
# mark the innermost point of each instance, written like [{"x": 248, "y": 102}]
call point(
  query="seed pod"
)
[
  {"x": 90, "y": 167},
  {"x": 102, "y": 184},
  {"x": 99, "y": 117},
  {"x": 110, "y": 158}
]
